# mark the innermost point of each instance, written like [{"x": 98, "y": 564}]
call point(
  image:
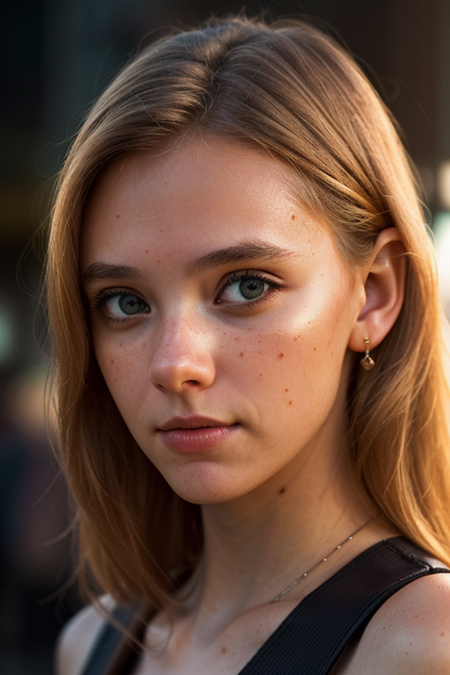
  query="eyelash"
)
[
  {"x": 251, "y": 274},
  {"x": 100, "y": 301}
]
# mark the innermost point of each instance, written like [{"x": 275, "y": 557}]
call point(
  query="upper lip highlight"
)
[{"x": 192, "y": 422}]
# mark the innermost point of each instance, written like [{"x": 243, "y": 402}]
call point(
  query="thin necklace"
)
[{"x": 305, "y": 574}]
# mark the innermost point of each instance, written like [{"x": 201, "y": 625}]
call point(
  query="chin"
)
[{"x": 206, "y": 487}]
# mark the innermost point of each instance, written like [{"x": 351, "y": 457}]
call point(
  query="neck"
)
[{"x": 257, "y": 545}]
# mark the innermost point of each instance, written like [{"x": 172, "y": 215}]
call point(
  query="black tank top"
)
[{"x": 315, "y": 633}]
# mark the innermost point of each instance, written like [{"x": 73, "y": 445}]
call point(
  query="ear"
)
[{"x": 384, "y": 286}]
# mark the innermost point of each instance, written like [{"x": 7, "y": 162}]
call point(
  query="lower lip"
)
[{"x": 197, "y": 440}]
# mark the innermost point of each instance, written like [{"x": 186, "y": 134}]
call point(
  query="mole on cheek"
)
[
  {"x": 241, "y": 354},
  {"x": 280, "y": 492},
  {"x": 280, "y": 355}
]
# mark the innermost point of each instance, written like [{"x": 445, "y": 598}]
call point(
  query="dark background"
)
[{"x": 57, "y": 55}]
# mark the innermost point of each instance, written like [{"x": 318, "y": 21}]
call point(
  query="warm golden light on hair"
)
[{"x": 309, "y": 106}]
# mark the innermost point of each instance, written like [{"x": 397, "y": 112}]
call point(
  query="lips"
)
[
  {"x": 193, "y": 422},
  {"x": 195, "y": 434}
]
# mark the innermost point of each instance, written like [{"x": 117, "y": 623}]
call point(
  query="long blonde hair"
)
[{"x": 289, "y": 89}]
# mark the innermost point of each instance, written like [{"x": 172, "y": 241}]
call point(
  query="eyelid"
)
[{"x": 250, "y": 272}]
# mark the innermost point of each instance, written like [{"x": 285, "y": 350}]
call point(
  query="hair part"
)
[{"x": 291, "y": 90}]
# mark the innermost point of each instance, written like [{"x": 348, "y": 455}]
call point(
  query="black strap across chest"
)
[{"x": 311, "y": 638}]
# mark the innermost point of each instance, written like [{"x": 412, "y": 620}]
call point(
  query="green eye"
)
[
  {"x": 247, "y": 288},
  {"x": 130, "y": 304},
  {"x": 120, "y": 305},
  {"x": 251, "y": 288}
]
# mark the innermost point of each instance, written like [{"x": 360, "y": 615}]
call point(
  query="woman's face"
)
[{"x": 221, "y": 312}]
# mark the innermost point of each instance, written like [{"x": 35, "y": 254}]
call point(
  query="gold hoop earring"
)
[{"x": 367, "y": 361}]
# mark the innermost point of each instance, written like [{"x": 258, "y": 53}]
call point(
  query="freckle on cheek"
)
[
  {"x": 286, "y": 390},
  {"x": 280, "y": 355},
  {"x": 112, "y": 361},
  {"x": 290, "y": 402},
  {"x": 241, "y": 354}
]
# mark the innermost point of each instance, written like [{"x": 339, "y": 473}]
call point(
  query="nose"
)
[{"x": 182, "y": 360}]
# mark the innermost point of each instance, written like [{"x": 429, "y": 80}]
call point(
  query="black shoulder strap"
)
[
  {"x": 313, "y": 636},
  {"x": 108, "y": 643}
]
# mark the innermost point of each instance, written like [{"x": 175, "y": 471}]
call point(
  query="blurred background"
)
[{"x": 57, "y": 56}]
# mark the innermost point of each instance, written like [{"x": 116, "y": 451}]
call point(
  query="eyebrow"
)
[
  {"x": 245, "y": 251},
  {"x": 99, "y": 271}
]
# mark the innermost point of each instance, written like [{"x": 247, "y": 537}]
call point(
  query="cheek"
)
[
  {"x": 297, "y": 367},
  {"x": 123, "y": 370}
]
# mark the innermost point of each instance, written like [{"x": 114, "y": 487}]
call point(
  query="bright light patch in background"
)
[
  {"x": 6, "y": 335},
  {"x": 443, "y": 184},
  {"x": 441, "y": 229}
]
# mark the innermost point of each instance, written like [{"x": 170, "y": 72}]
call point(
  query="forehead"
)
[{"x": 205, "y": 192}]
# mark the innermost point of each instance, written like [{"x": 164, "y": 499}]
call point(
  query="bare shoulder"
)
[
  {"x": 410, "y": 633},
  {"x": 77, "y": 638}
]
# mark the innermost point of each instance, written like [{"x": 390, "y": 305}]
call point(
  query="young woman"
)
[{"x": 249, "y": 380}]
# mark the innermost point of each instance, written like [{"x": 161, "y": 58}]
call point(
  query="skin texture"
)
[
  {"x": 176, "y": 334},
  {"x": 275, "y": 369}
]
